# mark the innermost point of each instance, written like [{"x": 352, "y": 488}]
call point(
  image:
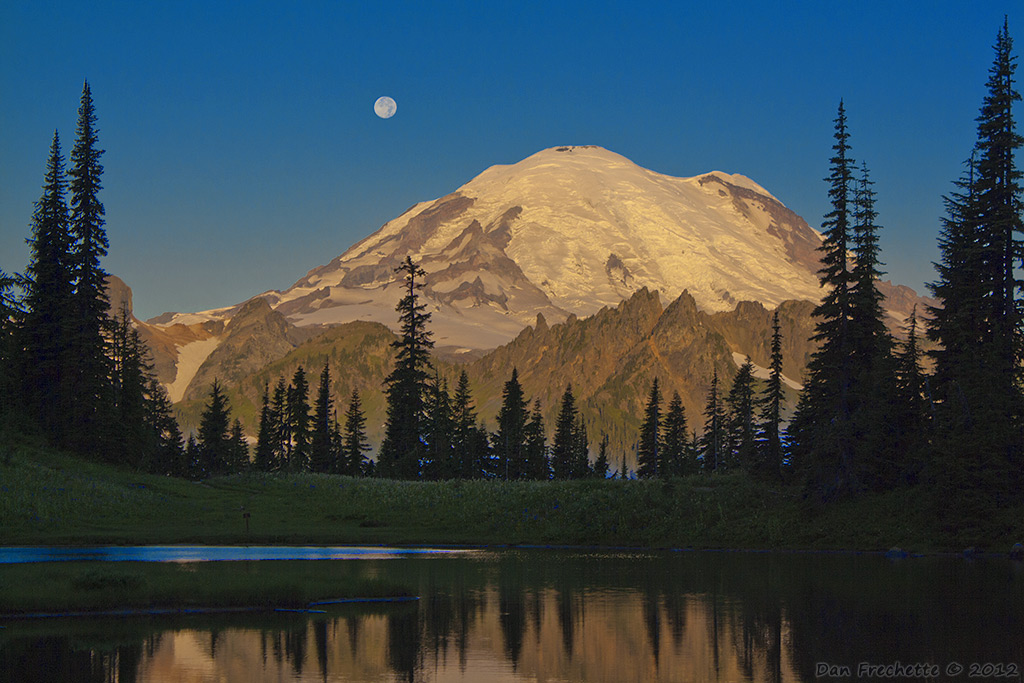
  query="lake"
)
[{"x": 576, "y": 615}]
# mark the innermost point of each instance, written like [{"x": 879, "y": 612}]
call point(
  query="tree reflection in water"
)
[{"x": 572, "y": 616}]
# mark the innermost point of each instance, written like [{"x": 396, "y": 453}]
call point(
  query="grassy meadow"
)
[{"x": 47, "y": 497}]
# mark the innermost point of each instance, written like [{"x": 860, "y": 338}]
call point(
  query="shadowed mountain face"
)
[{"x": 610, "y": 359}]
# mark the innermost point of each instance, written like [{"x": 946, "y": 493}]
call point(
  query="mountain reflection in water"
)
[{"x": 561, "y": 615}]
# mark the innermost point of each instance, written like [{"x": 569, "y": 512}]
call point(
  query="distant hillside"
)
[{"x": 610, "y": 358}]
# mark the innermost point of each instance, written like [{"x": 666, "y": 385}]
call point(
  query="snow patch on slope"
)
[
  {"x": 764, "y": 373},
  {"x": 191, "y": 356}
]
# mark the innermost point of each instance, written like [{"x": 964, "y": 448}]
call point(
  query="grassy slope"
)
[{"x": 50, "y": 498}]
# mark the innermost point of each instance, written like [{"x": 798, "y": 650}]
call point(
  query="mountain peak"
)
[{"x": 567, "y": 230}]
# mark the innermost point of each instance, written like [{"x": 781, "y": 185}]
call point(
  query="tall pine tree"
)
[
  {"x": 468, "y": 444},
  {"x": 978, "y": 377},
  {"x": 407, "y": 385},
  {"x": 170, "y": 448},
  {"x": 214, "y": 444},
  {"x": 354, "y": 442},
  {"x": 439, "y": 455},
  {"x": 714, "y": 443},
  {"x": 91, "y": 418},
  {"x": 769, "y": 439},
  {"x": 675, "y": 455},
  {"x": 649, "y": 447},
  {"x": 509, "y": 442},
  {"x": 131, "y": 372},
  {"x": 822, "y": 430},
  {"x": 538, "y": 465},
  {"x": 280, "y": 424},
  {"x": 322, "y": 457},
  {"x": 265, "y": 459},
  {"x": 873, "y": 385},
  {"x": 297, "y": 415},
  {"x": 48, "y": 362},
  {"x": 564, "y": 447},
  {"x": 237, "y": 449},
  {"x": 742, "y": 433},
  {"x": 911, "y": 407},
  {"x": 580, "y": 451}
]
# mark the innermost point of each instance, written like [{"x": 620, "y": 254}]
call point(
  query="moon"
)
[{"x": 385, "y": 107}]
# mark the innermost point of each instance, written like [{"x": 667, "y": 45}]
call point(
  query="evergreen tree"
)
[
  {"x": 601, "y": 463},
  {"x": 170, "y": 456},
  {"x": 298, "y": 421},
  {"x": 148, "y": 435},
  {"x": 91, "y": 419},
  {"x": 911, "y": 405},
  {"x": 650, "y": 435},
  {"x": 407, "y": 385},
  {"x": 439, "y": 454},
  {"x": 675, "y": 456},
  {"x": 564, "y": 448},
  {"x": 769, "y": 442},
  {"x": 195, "y": 468},
  {"x": 280, "y": 425},
  {"x": 466, "y": 438},
  {"x": 337, "y": 445},
  {"x": 354, "y": 442},
  {"x": 509, "y": 442},
  {"x": 322, "y": 457},
  {"x": 623, "y": 472},
  {"x": 955, "y": 323},
  {"x": 580, "y": 451},
  {"x": 822, "y": 432},
  {"x": 742, "y": 434},
  {"x": 10, "y": 315},
  {"x": 267, "y": 442},
  {"x": 214, "y": 447},
  {"x": 872, "y": 387},
  {"x": 1001, "y": 242},
  {"x": 131, "y": 372},
  {"x": 871, "y": 341},
  {"x": 48, "y": 362},
  {"x": 978, "y": 368},
  {"x": 715, "y": 440},
  {"x": 238, "y": 449},
  {"x": 538, "y": 467}
]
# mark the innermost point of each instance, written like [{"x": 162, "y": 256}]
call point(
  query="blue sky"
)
[{"x": 242, "y": 149}]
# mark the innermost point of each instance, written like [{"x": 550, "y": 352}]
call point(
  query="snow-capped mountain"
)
[{"x": 567, "y": 231}]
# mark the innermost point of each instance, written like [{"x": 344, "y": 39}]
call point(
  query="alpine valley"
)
[{"x": 573, "y": 265}]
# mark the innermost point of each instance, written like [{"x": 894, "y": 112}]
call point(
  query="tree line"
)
[
  {"x": 869, "y": 417},
  {"x": 72, "y": 370},
  {"x": 741, "y": 429}
]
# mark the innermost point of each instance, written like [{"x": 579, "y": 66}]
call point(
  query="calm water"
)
[
  {"x": 547, "y": 615},
  {"x": 206, "y": 553}
]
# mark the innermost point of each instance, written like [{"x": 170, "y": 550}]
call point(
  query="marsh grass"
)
[{"x": 50, "y": 498}]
